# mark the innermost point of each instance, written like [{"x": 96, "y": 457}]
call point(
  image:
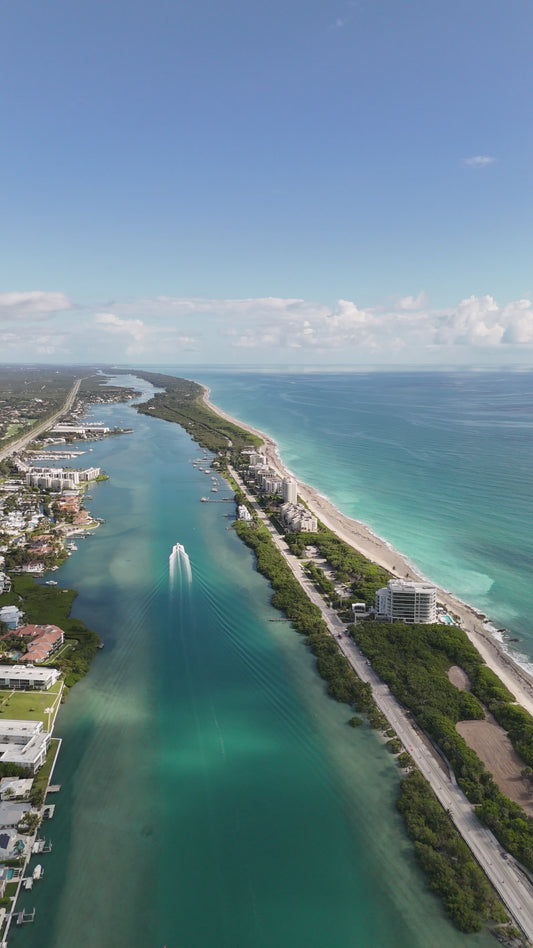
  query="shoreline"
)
[{"x": 474, "y": 623}]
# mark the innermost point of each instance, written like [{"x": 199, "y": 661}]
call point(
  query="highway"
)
[
  {"x": 513, "y": 887},
  {"x": 43, "y": 425}
]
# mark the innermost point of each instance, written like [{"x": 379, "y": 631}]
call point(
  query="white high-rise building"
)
[
  {"x": 406, "y": 601},
  {"x": 290, "y": 491}
]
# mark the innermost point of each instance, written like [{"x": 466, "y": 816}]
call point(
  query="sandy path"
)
[{"x": 517, "y": 679}]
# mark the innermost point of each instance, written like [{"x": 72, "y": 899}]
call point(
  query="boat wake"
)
[{"x": 179, "y": 566}]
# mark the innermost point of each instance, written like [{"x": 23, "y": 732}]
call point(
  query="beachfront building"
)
[
  {"x": 24, "y": 743},
  {"x": 27, "y": 678},
  {"x": 406, "y": 601},
  {"x": 289, "y": 491},
  {"x": 298, "y": 518},
  {"x": 254, "y": 457},
  {"x": 271, "y": 483}
]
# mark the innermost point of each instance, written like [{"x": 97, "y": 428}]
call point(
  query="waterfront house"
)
[{"x": 43, "y": 641}]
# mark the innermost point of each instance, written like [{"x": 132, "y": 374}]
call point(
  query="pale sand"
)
[{"x": 516, "y": 678}]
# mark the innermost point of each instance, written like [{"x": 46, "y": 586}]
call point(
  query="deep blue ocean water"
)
[
  {"x": 440, "y": 464},
  {"x": 212, "y": 795}
]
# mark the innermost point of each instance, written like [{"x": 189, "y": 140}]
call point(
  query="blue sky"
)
[{"x": 200, "y": 181}]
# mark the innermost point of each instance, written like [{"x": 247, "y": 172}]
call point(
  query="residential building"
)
[
  {"x": 298, "y": 518},
  {"x": 24, "y": 743},
  {"x": 290, "y": 491},
  {"x": 406, "y": 601},
  {"x": 27, "y": 678},
  {"x": 243, "y": 513},
  {"x": 44, "y": 640}
]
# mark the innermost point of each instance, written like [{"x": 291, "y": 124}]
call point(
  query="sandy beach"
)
[{"x": 475, "y": 624}]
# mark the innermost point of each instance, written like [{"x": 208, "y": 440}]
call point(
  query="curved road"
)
[{"x": 512, "y": 885}]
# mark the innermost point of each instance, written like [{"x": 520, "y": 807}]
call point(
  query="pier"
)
[{"x": 217, "y": 500}]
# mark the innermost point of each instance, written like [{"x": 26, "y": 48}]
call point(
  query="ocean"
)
[
  {"x": 439, "y": 464},
  {"x": 213, "y": 796}
]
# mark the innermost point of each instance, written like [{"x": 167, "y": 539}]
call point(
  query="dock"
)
[
  {"x": 40, "y": 846},
  {"x": 54, "y": 788},
  {"x": 217, "y": 500},
  {"x": 24, "y": 917}
]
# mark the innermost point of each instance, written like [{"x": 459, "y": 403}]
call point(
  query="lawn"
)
[{"x": 28, "y": 705}]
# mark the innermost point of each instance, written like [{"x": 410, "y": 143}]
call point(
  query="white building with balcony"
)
[{"x": 406, "y": 601}]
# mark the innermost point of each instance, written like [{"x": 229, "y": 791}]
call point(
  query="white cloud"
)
[
  {"x": 273, "y": 324},
  {"x": 34, "y": 304},
  {"x": 169, "y": 329},
  {"x": 479, "y": 161},
  {"x": 141, "y": 338},
  {"x": 413, "y": 302}
]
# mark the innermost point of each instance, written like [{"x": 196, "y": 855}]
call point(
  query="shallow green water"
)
[{"x": 213, "y": 796}]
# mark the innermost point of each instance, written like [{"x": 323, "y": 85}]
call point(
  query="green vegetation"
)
[
  {"x": 289, "y": 595},
  {"x": 414, "y": 661},
  {"x": 454, "y": 875},
  {"x": 29, "y": 823},
  {"x": 182, "y": 402},
  {"x": 343, "y": 683},
  {"x": 351, "y": 567},
  {"x": 31, "y": 394},
  {"x": 40, "y": 783},
  {"x": 28, "y": 705},
  {"x": 405, "y": 760},
  {"x": 50, "y": 604},
  {"x": 395, "y": 745}
]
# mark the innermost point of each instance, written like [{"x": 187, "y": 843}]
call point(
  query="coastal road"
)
[
  {"x": 512, "y": 885},
  {"x": 43, "y": 425}
]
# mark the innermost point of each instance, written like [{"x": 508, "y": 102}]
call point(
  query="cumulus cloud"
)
[
  {"x": 32, "y": 305},
  {"x": 479, "y": 161},
  {"x": 276, "y": 325},
  {"x": 413, "y": 302},
  {"x": 164, "y": 328}
]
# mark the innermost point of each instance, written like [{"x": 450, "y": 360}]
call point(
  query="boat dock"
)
[
  {"x": 40, "y": 846},
  {"x": 24, "y": 917},
  {"x": 217, "y": 500}
]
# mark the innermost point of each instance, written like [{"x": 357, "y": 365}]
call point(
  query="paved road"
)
[
  {"x": 509, "y": 881},
  {"x": 43, "y": 425}
]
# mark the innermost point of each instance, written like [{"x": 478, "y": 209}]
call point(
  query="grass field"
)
[{"x": 28, "y": 705}]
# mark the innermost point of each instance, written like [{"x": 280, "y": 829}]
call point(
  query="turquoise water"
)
[
  {"x": 440, "y": 464},
  {"x": 212, "y": 795}
]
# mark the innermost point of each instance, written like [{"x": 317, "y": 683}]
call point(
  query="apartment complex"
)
[
  {"x": 296, "y": 517},
  {"x": 406, "y": 601}
]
